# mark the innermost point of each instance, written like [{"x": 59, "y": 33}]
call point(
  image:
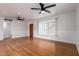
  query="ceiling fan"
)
[
  {"x": 43, "y": 8},
  {"x": 20, "y": 18},
  {"x": 8, "y": 19}
]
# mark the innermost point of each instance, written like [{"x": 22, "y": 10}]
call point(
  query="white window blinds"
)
[{"x": 47, "y": 27}]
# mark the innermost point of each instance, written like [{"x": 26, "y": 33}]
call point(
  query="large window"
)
[{"x": 47, "y": 27}]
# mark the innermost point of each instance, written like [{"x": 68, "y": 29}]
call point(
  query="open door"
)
[{"x": 31, "y": 30}]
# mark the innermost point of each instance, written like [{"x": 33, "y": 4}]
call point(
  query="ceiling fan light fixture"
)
[{"x": 42, "y": 12}]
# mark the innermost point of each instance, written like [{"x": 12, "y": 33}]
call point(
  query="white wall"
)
[
  {"x": 77, "y": 27},
  {"x": 19, "y": 29},
  {"x": 1, "y": 28},
  {"x": 65, "y": 27}
]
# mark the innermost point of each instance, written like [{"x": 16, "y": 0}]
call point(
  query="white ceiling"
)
[{"x": 24, "y": 9}]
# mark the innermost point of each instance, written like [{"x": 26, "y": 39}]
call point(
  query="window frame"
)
[{"x": 47, "y": 21}]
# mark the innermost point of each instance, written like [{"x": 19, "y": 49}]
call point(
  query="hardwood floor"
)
[{"x": 35, "y": 47}]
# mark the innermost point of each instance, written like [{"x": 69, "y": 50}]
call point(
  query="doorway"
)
[
  {"x": 7, "y": 29},
  {"x": 31, "y": 30}
]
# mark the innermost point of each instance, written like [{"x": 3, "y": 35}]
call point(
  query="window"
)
[{"x": 47, "y": 27}]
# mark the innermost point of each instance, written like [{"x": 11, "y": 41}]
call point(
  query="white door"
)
[{"x": 7, "y": 29}]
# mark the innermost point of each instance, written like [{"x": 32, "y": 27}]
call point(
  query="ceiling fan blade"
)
[
  {"x": 50, "y": 6},
  {"x": 47, "y": 11},
  {"x": 35, "y": 8}
]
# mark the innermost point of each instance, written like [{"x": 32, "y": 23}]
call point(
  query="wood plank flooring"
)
[{"x": 35, "y": 47}]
